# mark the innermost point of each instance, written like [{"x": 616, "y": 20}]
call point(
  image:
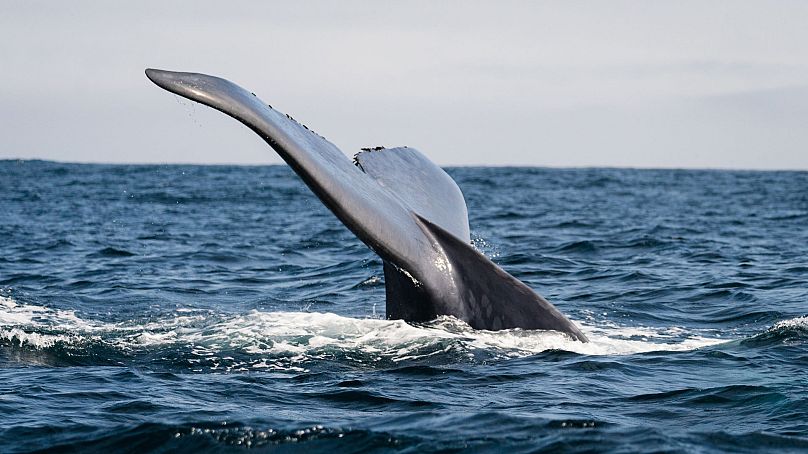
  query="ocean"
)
[{"x": 183, "y": 308}]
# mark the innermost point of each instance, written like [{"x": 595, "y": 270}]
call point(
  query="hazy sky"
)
[{"x": 639, "y": 84}]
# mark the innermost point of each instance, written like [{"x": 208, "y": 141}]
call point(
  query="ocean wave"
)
[
  {"x": 206, "y": 436},
  {"x": 785, "y": 331},
  {"x": 798, "y": 324},
  {"x": 288, "y": 340}
]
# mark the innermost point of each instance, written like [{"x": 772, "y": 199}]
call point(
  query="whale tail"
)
[{"x": 401, "y": 205}]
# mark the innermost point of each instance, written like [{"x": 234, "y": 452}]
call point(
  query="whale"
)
[{"x": 405, "y": 208}]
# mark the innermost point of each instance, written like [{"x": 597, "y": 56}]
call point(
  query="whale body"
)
[{"x": 402, "y": 206}]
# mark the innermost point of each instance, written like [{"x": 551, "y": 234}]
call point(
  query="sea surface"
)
[{"x": 219, "y": 308}]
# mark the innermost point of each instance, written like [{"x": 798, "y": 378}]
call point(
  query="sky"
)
[{"x": 679, "y": 84}]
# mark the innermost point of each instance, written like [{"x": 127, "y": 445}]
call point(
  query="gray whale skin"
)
[{"x": 402, "y": 206}]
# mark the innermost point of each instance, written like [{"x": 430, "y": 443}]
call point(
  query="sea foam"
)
[{"x": 301, "y": 333}]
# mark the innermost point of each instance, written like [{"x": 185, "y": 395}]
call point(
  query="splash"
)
[
  {"x": 794, "y": 324},
  {"x": 283, "y": 339},
  {"x": 39, "y": 326},
  {"x": 484, "y": 246},
  {"x": 794, "y": 330}
]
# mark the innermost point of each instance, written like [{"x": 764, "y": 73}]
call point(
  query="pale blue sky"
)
[{"x": 638, "y": 84}]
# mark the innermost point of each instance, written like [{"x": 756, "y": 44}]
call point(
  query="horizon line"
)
[{"x": 527, "y": 166}]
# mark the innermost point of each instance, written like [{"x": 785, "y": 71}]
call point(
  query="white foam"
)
[
  {"x": 303, "y": 334},
  {"x": 25, "y": 323},
  {"x": 33, "y": 339},
  {"x": 793, "y": 323}
]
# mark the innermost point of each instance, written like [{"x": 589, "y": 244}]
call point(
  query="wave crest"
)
[{"x": 290, "y": 340}]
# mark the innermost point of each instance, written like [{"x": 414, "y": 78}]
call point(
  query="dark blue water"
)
[{"x": 187, "y": 308}]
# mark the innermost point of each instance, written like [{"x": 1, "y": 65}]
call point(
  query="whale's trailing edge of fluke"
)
[{"x": 402, "y": 206}]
